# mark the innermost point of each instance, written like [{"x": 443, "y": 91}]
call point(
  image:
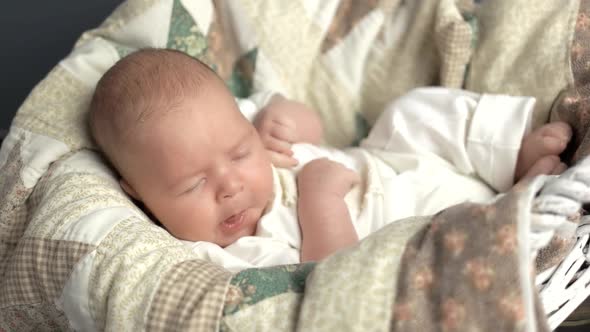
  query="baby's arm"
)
[
  {"x": 283, "y": 122},
  {"x": 324, "y": 219}
]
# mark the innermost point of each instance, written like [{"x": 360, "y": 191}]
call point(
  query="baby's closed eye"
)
[
  {"x": 241, "y": 153},
  {"x": 198, "y": 184}
]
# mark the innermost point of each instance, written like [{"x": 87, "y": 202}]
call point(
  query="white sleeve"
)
[
  {"x": 247, "y": 252},
  {"x": 477, "y": 134},
  {"x": 304, "y": 153},
  {"x": 250, "y": 106}
]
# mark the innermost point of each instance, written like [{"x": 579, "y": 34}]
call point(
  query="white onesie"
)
[{"x": 430, "y": 149}]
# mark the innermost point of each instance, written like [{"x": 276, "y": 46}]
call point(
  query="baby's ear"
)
[{"x": 128, "y": 189}]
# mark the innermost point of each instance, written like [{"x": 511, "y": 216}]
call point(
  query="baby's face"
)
[{"x": 202, "y": 170}]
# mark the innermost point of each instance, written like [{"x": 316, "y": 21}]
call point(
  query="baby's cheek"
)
[{"x": 260, "y": 179}]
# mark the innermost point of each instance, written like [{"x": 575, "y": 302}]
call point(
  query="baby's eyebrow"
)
[{"x": 241, "y": 140}]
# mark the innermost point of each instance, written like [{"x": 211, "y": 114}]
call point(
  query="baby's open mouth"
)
[{"x": 235, "y": 221}]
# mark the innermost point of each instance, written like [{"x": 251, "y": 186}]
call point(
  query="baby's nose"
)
[{"x": 230, "y": 187}]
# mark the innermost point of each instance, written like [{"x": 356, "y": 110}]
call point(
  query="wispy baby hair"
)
[{"x": 141, "y": 85}]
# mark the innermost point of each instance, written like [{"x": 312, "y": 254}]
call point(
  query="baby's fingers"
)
[
  {"x": 285, "y": 130},
  {"x": 282, "y": 160},
  {"x": 277, "y": 145}
]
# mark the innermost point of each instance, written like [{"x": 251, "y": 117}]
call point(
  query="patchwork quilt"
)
[{"x": 77, "y": 254}]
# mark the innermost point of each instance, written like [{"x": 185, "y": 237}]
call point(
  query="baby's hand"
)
[
  {"x": 284, "y": 122},
  {"x": 277, "y": 131},
  {"x": 326, "y": 177}
]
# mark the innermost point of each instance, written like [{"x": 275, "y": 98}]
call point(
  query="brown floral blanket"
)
[{"x": 77, "y": 254}]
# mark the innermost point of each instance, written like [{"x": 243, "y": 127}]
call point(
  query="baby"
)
[{"x": 184, "y": 148}]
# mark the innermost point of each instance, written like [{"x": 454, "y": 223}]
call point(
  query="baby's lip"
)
[
  {"x": 234, "y": 222},
  {"x": 234, "y": 218}
]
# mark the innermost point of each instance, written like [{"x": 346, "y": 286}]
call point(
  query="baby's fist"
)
[{"x": 326, "y": 177}]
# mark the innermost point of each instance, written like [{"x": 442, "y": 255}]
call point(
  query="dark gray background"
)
[{"x": 34, "y": 36}]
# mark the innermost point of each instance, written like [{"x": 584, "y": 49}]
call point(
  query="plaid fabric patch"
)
[
  {"x": 190, "y": 298},
  {"x": 39, "y": 269},
  {"x": 454, "y": 40}
]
